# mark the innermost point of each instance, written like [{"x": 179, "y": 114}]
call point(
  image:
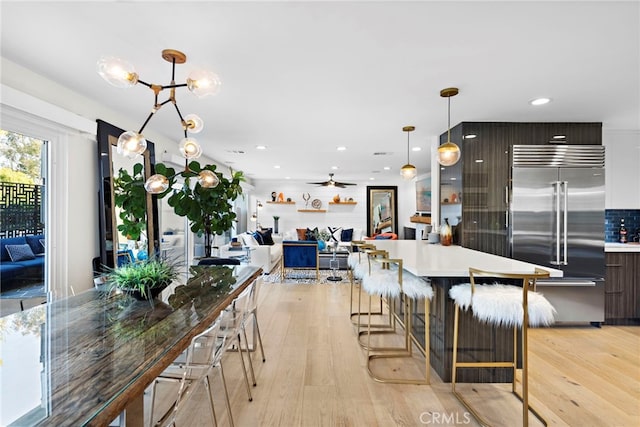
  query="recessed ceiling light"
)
[
  {"x": 261, "y": 147},
  {"x": 559, "y": 136},
  {"x": 540, "y": 101},
  {"x": 287, "y": 177},
  {"x": 341, "y": 148},
  {"x": 470, "y": 136},
  {"x": 416, "y": 149},
  {"x": 387, "y": 168},
  {"x": 334, "y": 167},
  {"x": 277, "y": 166},
  {"x": 372, "y": 179}
]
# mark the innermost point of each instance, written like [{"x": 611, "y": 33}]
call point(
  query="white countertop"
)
[
  {"x": 435, "y": 260},
  {"x": 622, "y": 247}
]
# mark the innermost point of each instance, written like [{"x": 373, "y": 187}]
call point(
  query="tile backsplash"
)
[{"x": 612, "y": 223}]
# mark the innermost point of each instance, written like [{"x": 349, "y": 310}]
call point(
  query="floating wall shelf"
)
[
  {"x": 312, "y": 210},
  {"x": 283, "y": 203},
  {"x": 343, "y": 203}
]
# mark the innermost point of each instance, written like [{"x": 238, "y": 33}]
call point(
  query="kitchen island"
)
[{"x": 446, "y": 266}]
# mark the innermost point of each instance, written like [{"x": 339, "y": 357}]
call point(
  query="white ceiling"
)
[{"x": 305, "y": 77}]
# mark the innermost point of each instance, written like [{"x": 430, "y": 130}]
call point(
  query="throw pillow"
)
[
  {"x": 302, "y": 233},
  {"x": 20, "y": 252},
  {"x": 311, "y": 234},
  {"x": 333, "y": 232},
  {"x": 346, "y": 235},
  {"x": 249, "y": 240},
  {"x": 265, "y": 237},
  {"x": 42, "y": 243}
]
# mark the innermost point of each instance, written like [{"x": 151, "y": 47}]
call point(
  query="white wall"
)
[
  {"x": 622, "y": 169},
  {"x": 345, "y": 216}
]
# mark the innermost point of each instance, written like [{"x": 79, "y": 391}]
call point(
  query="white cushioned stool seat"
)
[{"x": 501, "y": 304}]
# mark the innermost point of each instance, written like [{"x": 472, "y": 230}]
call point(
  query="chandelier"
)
[{"x": 201, "y": 83}]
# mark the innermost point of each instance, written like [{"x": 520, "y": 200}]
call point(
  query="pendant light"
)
[
  {"x": 408, "y": 171},
  {"x": 121, "y": 73},
  {"x": 448, "y": 153}
]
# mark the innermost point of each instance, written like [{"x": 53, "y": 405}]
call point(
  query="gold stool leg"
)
[{"x": 406, "y": 351}]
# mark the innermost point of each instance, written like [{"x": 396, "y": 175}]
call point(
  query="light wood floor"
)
[{"x": 315, "y": 375}]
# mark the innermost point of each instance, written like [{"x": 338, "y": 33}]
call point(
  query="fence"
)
[{"x": 21, "y": 209}]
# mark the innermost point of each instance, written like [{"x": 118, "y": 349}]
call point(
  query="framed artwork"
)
[{"x": 423, "y": 195}]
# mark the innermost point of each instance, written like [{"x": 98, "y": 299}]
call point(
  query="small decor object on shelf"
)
[
  {"x": 289, "y": 199},
  {"x": 336, "y": 198},
  {"x": 275, "y": 224},
  {"x": 316, "y": 204},
  {"x": 622, "y": 232},
  {"x": 281, "y": 197},
  {"x": 306, "y": 197},
  {"x": 273, "y": 196}
]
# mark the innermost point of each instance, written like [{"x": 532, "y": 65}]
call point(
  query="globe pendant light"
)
[
  {"x": 408, "y": 171},
  {"x": 448, "y": 153}
]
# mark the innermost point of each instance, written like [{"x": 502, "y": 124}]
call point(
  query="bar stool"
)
[
  {"x": 358, "y": 267},
  {"x": 502, "y": 305},
  {"x": 391, "y": 280}
]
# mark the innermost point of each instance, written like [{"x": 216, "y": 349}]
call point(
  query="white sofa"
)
[{"x": 265, "y": 256}]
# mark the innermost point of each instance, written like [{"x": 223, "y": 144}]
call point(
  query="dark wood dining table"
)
[{"x": 99, "y": 350}]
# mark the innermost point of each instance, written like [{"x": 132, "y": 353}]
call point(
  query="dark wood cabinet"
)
[
  {"x": 621, "y": 287},
  {"x": 484, "y": 171}
]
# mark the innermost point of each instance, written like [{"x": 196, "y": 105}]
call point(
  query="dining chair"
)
[
  {"x": 507, "y": 305},
  {"x": 191, "y": 368}
]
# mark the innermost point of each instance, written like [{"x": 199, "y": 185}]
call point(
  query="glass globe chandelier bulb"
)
[
  {"x": 190, "y": 149},
  {"x": 208, "y": 179},
  {"x": 156, "y": 184},
  {"x": 203, "y": 83},
  {"x": 131, "y": 144},
  {"x": 194, "y": 123},
  {"x": 117, "y": 72},
  {"x": 448, "y": 154},
  {"x": 408, "y": 171}
]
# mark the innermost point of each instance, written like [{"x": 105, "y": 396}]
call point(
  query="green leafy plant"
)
[
  {"x": 209, "y": 210},
  {"x": 143, "y": 277},
  {"x": 323, "y": 235},
  {"x": 131, "y": 197}
]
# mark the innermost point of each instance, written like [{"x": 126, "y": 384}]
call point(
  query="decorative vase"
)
[
  {"x": 275, "y": 225},
  {"x": 445, "y": 233},
  {"x": 322, "y": 245}
]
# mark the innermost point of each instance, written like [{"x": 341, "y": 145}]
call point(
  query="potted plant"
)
[
  {"x": 145, "y": 279},
  {"x": 209, "y": 209}
]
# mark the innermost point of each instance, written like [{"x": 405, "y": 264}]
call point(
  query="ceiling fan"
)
[{"x": 332, "y": 183}]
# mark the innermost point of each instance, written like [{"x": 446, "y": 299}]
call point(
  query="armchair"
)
[{"x": 299, "y": 254}]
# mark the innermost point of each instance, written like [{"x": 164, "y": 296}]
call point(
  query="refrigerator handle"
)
[
  {"x": 556, "y": 195},
  {"x": 506, "y": 202},
  {"x": 565, "y": 231}
]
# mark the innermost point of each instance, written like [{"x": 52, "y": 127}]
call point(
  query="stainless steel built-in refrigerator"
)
[{"x": 557, "y": 220}]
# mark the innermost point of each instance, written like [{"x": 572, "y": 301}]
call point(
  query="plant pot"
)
[{"x": 149, "y": 294}]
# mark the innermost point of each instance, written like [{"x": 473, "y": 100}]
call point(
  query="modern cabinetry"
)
[
  {"x": 484, "y": 172},
  {"x": 621, "y": 286}
]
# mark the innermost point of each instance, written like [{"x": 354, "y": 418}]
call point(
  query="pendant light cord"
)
[
  {"x": 449, "y": 119},
  {"x": 408, "y": 147}
]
